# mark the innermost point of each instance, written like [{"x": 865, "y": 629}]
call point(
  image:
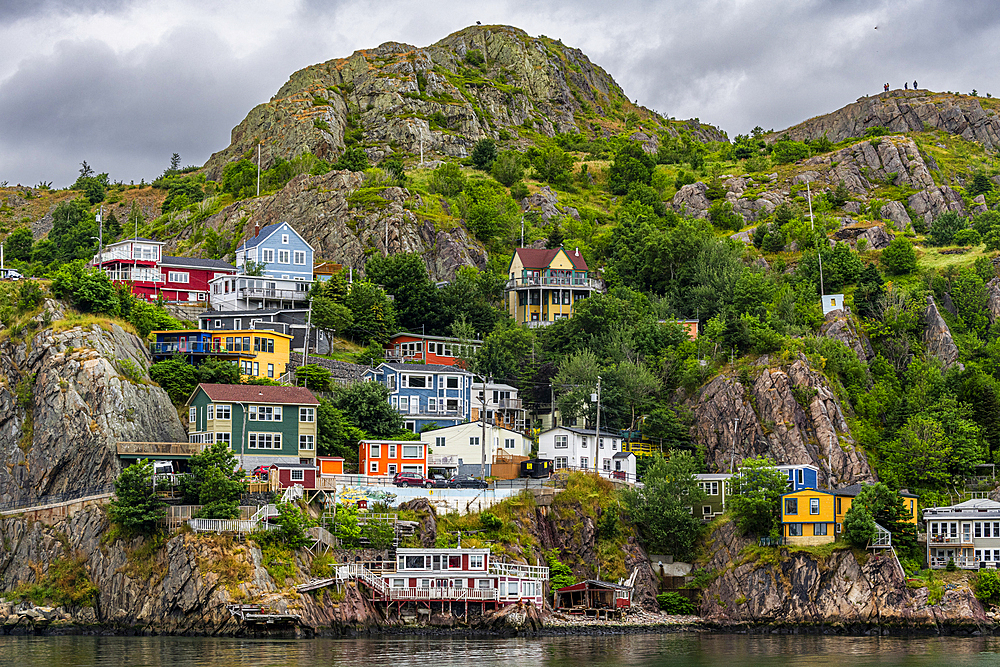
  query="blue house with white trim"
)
[
  {"x": 800, "y": 476},
  {"x": 288, "y": 272},
  {"x": 426, "y": 394}
]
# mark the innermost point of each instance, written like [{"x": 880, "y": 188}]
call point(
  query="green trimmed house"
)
[{"x": 277, "y": 424}]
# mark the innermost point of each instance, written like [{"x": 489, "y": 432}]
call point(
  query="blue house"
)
[
  {"x": 287, "y": 274},
  {"x": 801, "y": 476},
  {"x": 426, "y": 394}
]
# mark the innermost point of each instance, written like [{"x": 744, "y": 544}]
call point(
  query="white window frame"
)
[
  {"x": 192, "y": 415},
  {"x": 300, "y": 257},
  {"x": 307, "y": 414},
  {"x": 375, "y": 451},
  {"x": 412, "y": 452},
  {"x": 561, "y": 442},
  {"x": 284, "y": 239},
  {"x": 307, "y": 442},
  {"x": 178, "y": 277},
  {"x": 284, "y": 257},
  {"x": 373, "y": 466},
  {"x": 210, "y": 412},
  {"x": 297, "y": 475},
  {"x": 476, "y": 562},
  {"x": 267, "y": 256}
]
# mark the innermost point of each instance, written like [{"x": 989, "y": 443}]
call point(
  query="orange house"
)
[{"x": 388, "y": 457}]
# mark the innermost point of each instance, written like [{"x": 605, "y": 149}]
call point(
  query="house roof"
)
[
  {"x": 593, "y": 583},
  {"x": 250, "y": 393},
  {"x": 139, "y": 239},
  {"x": 581, "y": 431},
  {"x": 792, "y": 493},
  {"x": 427, "y": 368},
  {"x": 476, "y": 424},
  {"x": 264, "y": 234},
  {"x": 854, "y": 489},
  {"x": 209, "y": 314},
  {"x": 306, "y": 466},
  {"x": 533, "y": 258},
  {"x": 622, "y": 455},
  {"x": 446, "y": 339},
  {"x": 197, "y": 262}
]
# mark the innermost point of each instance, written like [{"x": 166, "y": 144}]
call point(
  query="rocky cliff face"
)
[
  {"x": 904, "y": 111},
  {"x": 66, "y": 398},
  {"x": 346, "y": 227},
  {"x": 394, "y": 91},
  {"x": 844, "y": 590},
  {"x": 937, "y": 336},
  {"x": 788, "y": 413}
]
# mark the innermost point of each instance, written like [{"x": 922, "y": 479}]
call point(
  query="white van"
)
[{"x": 163, "y": 467}]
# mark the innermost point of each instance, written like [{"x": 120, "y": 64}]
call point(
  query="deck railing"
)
[
  {"x": 160, "y": 448},
  {"x": 555, "y": 281},
  {"x": 945, "y": 539},
  {"x": 519, "y": 570},
  {"x": 198, "y": 347},
  {"x": 375, "y": 582},
  {"x": 443, "y": 594}
]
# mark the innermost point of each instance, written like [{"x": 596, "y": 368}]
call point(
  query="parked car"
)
[
  {"x": 261, "y": 473},
  {"x": 467, "y": 482},
  {"x": 11, "y": 274},
  {"x": 412, "y": 479}
]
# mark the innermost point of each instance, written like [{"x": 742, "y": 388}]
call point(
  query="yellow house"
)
[
  {"x": 259, "y": 353},
  {"x": 807, "y": 517},
  {"x": 545, "y": 285},
  {"x": 846, "y": 496}
]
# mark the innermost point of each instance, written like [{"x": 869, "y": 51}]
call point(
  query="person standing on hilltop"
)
[
  {"x": 914, "y": 84},
  {"x": 906, "y": 85}
]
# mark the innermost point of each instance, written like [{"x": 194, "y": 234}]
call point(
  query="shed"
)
[
  {"x": 330, "y": 465},
  {"x": 290, "y": 474},
  {"x": 593, "y": 598}
]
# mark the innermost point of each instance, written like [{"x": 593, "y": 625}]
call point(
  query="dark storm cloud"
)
[{"x": 15, "y": 10}]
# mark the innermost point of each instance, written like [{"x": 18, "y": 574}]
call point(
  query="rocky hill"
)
[
  {"x": 68, "y": 394},
  {"x": 482, "y": 81},
  {"x": 972, "y": 118}
]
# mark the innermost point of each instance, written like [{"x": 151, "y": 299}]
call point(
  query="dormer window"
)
[{"x": 284, "y": 239}]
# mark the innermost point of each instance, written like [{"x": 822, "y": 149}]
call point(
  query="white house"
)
[
  {"x": 462, "y": 445},
  {"x": 574, "y": 448}
]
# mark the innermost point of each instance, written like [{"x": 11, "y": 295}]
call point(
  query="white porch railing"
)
[
  {"x": 375, "y": 582},
  {"x": 519, "y": 570},
  {"x": 228, "y": 525},
  {"x": 967, "y": 563},
  {"x": 945, "y": 539},
  {"x": 443, "y": 594}
]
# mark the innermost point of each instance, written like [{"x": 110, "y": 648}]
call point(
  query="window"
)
[
  {"x": 305, "y": 442},
  {"x": 375, "y": 451},
  {"x": 511, "y": 588},
  {"x": 584, "y": 462},
  {"x": 600, "y": 443},
  {"x": 415, "y": 381},
  {"x": 986, "y": 530},
  {"x": 192, "y": 415},
  {"x": 561, "y": 442},
  {"x": 451, "y": 405},
  {"x": 391, "y": 470},
  {"x": 474, "y": 441},
  {"x": 814, "y": 505},
  {"x": 560, "y": 462},
  {"x": 270, "y": 370},
  {"x": 795, "y": 530},
  {"x": 451, "y": 382},
  {"x": 264, "y": 441},
  {"x": 791, "y": 505},
  {"x": 267, "y": 256},
  {"x": 508, "y": 443},
  {"x": 413, "y": 562},
  {"x": 284, "y": 239},
  {"x": 224, "y": 438},
  {"x": 453, "y": 562},
  {"x": 178, "y": 276},
  {"x": 606, "y": 464},
  {"x": 404, "y": 403},
  {"x": 979, "y": 554},
  {"x": 218, "y": 323},
  {"x": 283, "y": 257},
  {"x": 432, "y": 404},
  {"x": 819, "y": 529},
  {"x": 211, "y": 412},
  {"x": 706, "y": 509},
  {"x": 298, "y": 475},
  {"x": 484, "y": 583},
  {"x": 256, "y": 368},
  {"x": 410, "y": 426},
  {"x": 399, "y": 583},
  {"x": 223, "y": 412},
  {"x": 300, "y": 257},
  {"x": 413, "y": 451},
  {"x": 798, "y": 476},
  {"x": 392, "y": 451},
  {"x": 583, "y": 440},
  {"x": 373, "y": 467},
  {"x": 307, "y": 414},
  {"x": 979, "y": 529},
  {"x": 265, "y": 413},
  {"x": 439, "y": 441}
]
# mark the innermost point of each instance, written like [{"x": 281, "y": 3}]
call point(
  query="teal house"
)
[{"x": 262, "y": 425}]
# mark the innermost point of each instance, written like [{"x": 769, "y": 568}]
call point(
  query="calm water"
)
[{"x": 644, "y": 650}]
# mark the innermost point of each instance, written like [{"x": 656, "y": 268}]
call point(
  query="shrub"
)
[
  {"x": 507, "y": 168},
  {"x": 968, "y": 237},
  {"x": 447, "y": 180},
  {"x": 560, "y": 574},
  {"x": 723, "y": 216},
  {"x": 352, "y": 159},
  {"x": 675, "y": 603},
  {"x": 987, "y": 586},
  {"x": 519, "y": 191},
  {"x": 899, "y": 258},
  {"x": 136, "y": 507},
  {"x": 176, "y": 376},
  {"x": 944, "y": 228},
  {"x": 786, "y": 151},
  {"x": 483, "y": 154}
]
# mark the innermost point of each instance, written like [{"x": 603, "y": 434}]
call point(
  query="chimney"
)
[
  {"x": 577, "y": 252},
  {"x": 256, "y": 229}
]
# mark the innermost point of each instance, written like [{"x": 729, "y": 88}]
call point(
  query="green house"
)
[{"x": 262, "y": 425}]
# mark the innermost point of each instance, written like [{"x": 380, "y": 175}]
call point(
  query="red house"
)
[
  {"x": 290, "y": 474},
  {"x": 151, "y": 275},
  {"x": 409, "y": 347}
]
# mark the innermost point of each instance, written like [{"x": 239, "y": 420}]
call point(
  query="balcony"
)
[
  {"x": 123, "y": 255},
  {"x": 268, "y": 293},
  {"x": 509, "y": 404},
  {"x": 554, "y": 281},
  {"x": 443, "y": 594},
  {"x": 963, "y": 562},
  {"x": 138, "y": 275},
  {"x": 946, "y": 539},
  {"x": 207, "y": 347}
]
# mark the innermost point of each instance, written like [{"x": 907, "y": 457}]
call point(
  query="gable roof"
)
[
  {"x": 425, "y": 368},
  {"x": 197, "y": 262},
  {"x": 581, "y": 431},
  {"x": 251, "y": 393},
  {"x": 854, "y": 489},
  {"x": 535, "y": 258},
  {"x": 265, "y": 233}
]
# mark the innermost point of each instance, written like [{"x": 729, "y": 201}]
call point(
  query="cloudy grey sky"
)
[{"x": 123, "y": 84}]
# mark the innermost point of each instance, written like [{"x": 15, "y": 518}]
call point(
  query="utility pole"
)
[
  {"x": 597, "y": 438},
  {"x": 305, "y": 348},
  {"x": 100, "y": 238},
  {"x": 522, "y": 230},
  {"x": 482, "y": 417},
  {"x": 258, "y": 168},
  {"x": 732, "y": 460}
]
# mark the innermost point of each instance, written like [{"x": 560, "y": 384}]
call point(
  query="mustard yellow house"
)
[
  {"x": 260, "y": 353},
  {"x": 545, "y": 285},
  {"x": 808, "y": 517},
  {"x": 846, "y": 496}
]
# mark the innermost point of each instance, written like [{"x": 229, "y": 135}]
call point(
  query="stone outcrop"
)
[
  {"x": 789, "y": 414},
  {"x": 346, "y": 227},
  {"x": 391, "y": 92},
  {"x": 876, "y": 237},
  {"x": 66, "y": 399},
  {"x": 893, "y": 159},
  {"x": 903, "y": 111},
  {"x": 838, "y": 591},
  {"x": 691, "y": 200},
  {"x": 546, "y": 203},
  {"x": 932, "y": 202},
  {"x": 937, "y": 336},
  {"x": 993, "y": 299},
  {"x": 839, "y": 325}
]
